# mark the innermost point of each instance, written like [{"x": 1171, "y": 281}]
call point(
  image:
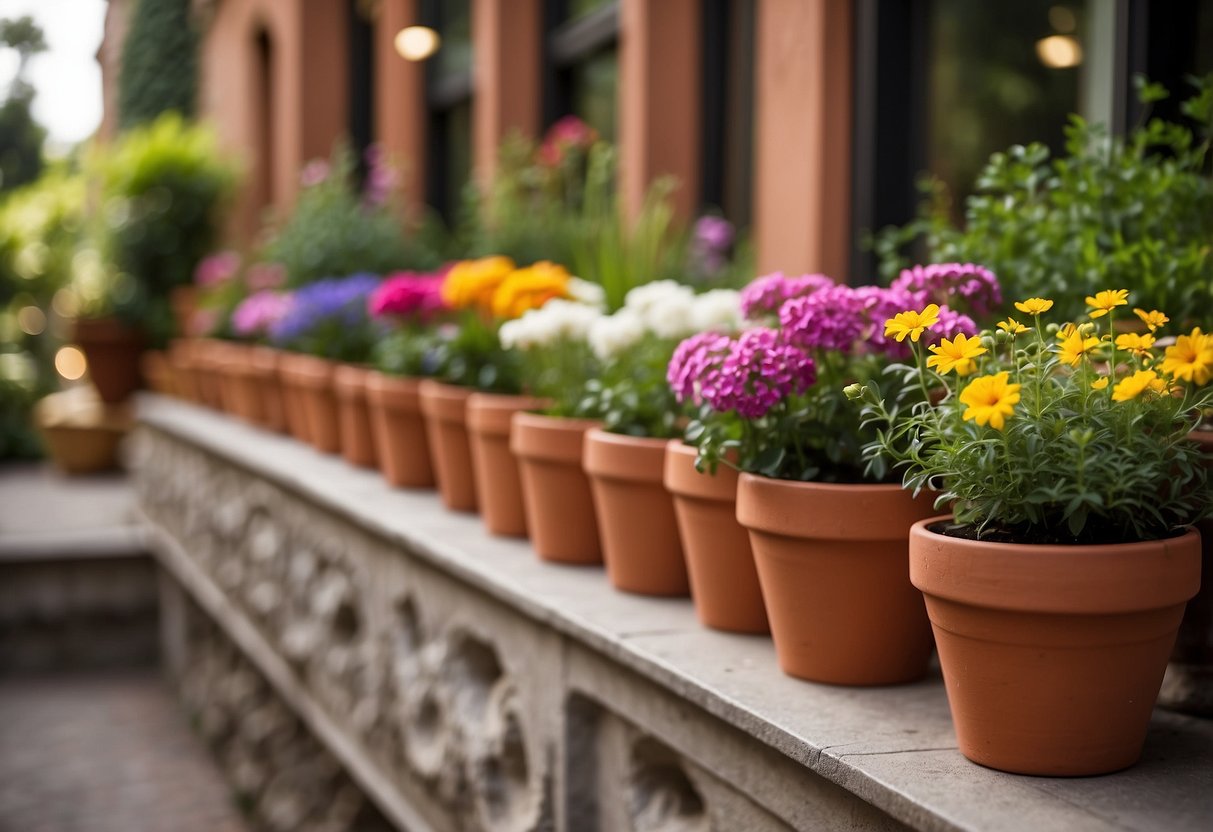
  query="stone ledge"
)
[{"x": 894, "y": 747}]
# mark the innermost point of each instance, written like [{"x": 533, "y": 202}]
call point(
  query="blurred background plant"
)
[
  {"x": 159, "y": 63},
  {"x": 21, "y": 138}
]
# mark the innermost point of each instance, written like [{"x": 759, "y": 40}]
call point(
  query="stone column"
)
[
  {"x": 506, "y": 49},
  {"x": 400, "y": 113}
]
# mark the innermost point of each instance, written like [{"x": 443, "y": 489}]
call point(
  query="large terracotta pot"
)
[
  {"x": 112, "y": 350},
  {"x": 832, "y": 562},
  {"x": 498, "y": 483},
  {"x": 445, "y": 409},
  {"x": 635, "y": 514},
  {"x": 357, "y": 439},
  {"x": 555, "y": 489},
  {"x": 181, "y": 362},
  {"x": 404, "y": 449},
  {"x": 720, "y": 563},
  {"x": 313, "y": 379},
  {"x": 264, "y": 361},
  {"x": 1053, "y": 655},
  {"x": 293, "y": 397},
  {"x": 241, "y": 383},
  {"x": 208, "y": 357}
]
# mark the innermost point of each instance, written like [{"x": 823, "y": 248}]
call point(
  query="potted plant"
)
[
  {"x": 1056, "y": 587},
  {"x": 252, "y": 321}
]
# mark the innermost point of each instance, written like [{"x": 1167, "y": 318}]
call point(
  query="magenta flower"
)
[
  {"x": 941, "y": 283},
  {"x": 747, "y": 375},
  {"x": 262, "y": 276},
  {"x": 950, "y": 324},
  {"x": 567, "y": 133},
  {"x": 216, "y": 269},
  {"x": 314, "y": 172},
  {"x": 694, "y": 358},
  {"x": 257, "y": 313},
  {"x": 834, "y": 318},
  {"x": 381, "y": 178},
  {"x": 765, "y": 295},
  {"x": 407, "y": 295}
]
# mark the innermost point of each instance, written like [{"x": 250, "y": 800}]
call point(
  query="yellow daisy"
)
[
  {"x": 1107, "y": 300},
  {"x": 1153, "y": 319},
  {"x": 1099, "y": 383},
  {"x": 1136, "y": 343},
  {"x": 911, "y": 323},
  {"x": 957, "y": 354},
  {"x": 990, "y": 400},
  {"x": 1133, "y": 386},
  {"x": 1034, "y": 306},
  {"x": 1191, "y": 358},
  {"x": 1075, "y": 345},
  {"x": 1012, "y": 326}
]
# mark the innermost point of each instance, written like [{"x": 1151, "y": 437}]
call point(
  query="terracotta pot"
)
[
  {"x": 264, "y": 361},
  {"x": 635, "y": 514},
  {"x": 555, "y": 489},
  {"x": 181, "y": 364},
  {"x": 832, "y": 563},
  {"x": 404, "y": 449},
  {"x": 80, "y": 434},
  {"x": 293, "y": 398},
  {"x": 208, "y": 354},
  {"x": 357, "y": 439},
  {"x": 720, "y": 563},
  {"x": 445, "y": 409},
  {"x": 112, "y": 350},
  {"x": 183, "y": 300},
  {"x": 155, "y": 367},
  {"x": 313, "y": 379},
  {"x": 241, "y": 383},
  {"x": 498, "y": 483},
  {"x": 1053, "y": 655}
]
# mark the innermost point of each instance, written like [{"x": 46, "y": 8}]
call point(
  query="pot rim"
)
[
  {"x": 682, "y": 479},
  {"x": 639, "y": 459},
  {"x": 444, "y": 402},
  {"x": 394, "y": 392},
  {"x": 536, "y": 437},
  {"x": 492, "y": 414},
  {"x": 350, "y": 380}
]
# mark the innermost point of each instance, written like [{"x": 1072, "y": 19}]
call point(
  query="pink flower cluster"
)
[
  {"x": 748, "y": 375},
  {"x": 976, "y": 286},
  {"x": 567, "y": 133},
  {"x": 765, "y": 295},
  {"x": 262, "y": 276},
  {"x": 404, "y": 295},
  {"x": 259, "y": 312},
  {"x": 217, "y": 268}
]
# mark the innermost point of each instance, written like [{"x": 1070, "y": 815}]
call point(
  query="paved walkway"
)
[{"x": 104, "y": 753}]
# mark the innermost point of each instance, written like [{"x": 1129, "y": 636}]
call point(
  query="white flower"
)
[
  {"x": 612, "y": 334},
  {"x": 644, "y": 298},
  {"x": 556, "y": 320},
  {"x": 717, "y": 311},
  {"x": 583, "y": 291},
  {"x": 672, "y": 316}
]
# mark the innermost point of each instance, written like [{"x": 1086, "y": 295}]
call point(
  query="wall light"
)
[
  {"x": 70, "y": 363},
  {"x": 1059, "y": 51},
  {"x": 416, "y": 43}
]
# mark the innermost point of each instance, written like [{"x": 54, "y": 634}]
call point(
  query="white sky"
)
[{"x": 66, "y": 76}]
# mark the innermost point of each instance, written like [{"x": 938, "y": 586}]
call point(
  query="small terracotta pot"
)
[
  {"x": 181, "y": 362},
  {"x": 313, "y": 379},
  {"x": 293, "y": 398},
  {"x": 832, "y": 562},
  {"x": 357, "y": 439},
  {"x": 264, "y": 361},
  {"x": 241, "y": 383},
  {"x": 404, "y": 449},
  {"x": 112, "y": 350},
  {"x": 207, "y": 358},
  {"x": 635, "y": 514},
  {"x": 157, "y": 371},
  {"x": 555, "y": 489},
  {"x": 720, "y": 563},
  {"x": 498, "y": 482},
  {"x": 1053, "y": 655},
  {"x": 445, "y": 409}
]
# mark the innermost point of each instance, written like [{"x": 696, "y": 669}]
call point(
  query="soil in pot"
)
[
  {"x": 832, "y": 561},
  {"x": 111, "y": 349},
  {"x": 498, "y": 482},
  {"x": 354, "y": 417},
  {"x": 636, "y": 521},
  {"x": 445, "y": 409},
  {"x": 555, "y": 489},
  {"x": 720, "y": 563},
  {"x": 1053, "y": 655},
  {"x": 313, "y": 378},
  {"x": 399, "y": 428}
]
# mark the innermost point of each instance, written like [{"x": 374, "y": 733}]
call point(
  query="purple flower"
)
[
  {"x": 834, "y": 318},
  {"x": 216, "y": 268},
  {"x": 259, "y": 312},
  {"x": 694, "y": 358},
  {"x": 381, "y": 178},
  {"x": 339, "y": 303},
  {"x": 945, "y": 282},
  {"x": 314, "y": 172},
  {"x": 408, "y": 295},
  {"x": 758, "y": 373},
  {"x": 765, "y": 295}
]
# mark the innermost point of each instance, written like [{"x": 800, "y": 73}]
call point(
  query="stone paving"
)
[{"x": 104, "y": 753}]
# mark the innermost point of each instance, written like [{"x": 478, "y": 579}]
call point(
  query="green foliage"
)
[
  {"x": 472, "y": 356},
  {"x": 410, "y": 351},
  {"x": 332, "y": 231},
  {"x": 162, "y": 188},
  {"x": 18, "y": 440},
  {"x": 631, "y": 395},
  {"x": 1080, "y": 458},
  {"x": 21, "y": 138},
  {"x": 1135, "y": 212},
  {"x": 159, "y": 71}
]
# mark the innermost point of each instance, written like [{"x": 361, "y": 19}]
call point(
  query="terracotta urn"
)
[
  {"x": 636, "y": 519},
  {"x": 354, "y": 416},
  {"x": 720, "y": 562},
  {"x": 293, "y": 397},
  {"x": 832, "y": 562},
  {"x": 1053, "y": 655},
  {"x": 264, "y": 361},
  {"x": 498, "y": 482},
  {"x": 445, "y": 409},
  {"x": 313, "y": 380},
  {"x": 395, "y": 411},
  {"x": 111, "y": 349},
  {"x": 555, "y": 489}
]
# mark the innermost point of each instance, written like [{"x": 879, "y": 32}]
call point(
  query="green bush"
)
[{"x": 159, "y": 63}]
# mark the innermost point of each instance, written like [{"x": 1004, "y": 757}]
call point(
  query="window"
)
[
  {"x": 361, "y": 56},
  {"x": 582, "y": 65},
  {"x": 728, "y": 108},
  {"x": 449, "y": 104}
]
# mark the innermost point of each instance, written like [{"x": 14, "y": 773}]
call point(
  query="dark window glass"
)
[
  {"x": 581, "y": 63},
  {"x": 361, "y": 80},
  {"x": 577, "y": 8},
  {"x": 449, "y": 98},
  {"x": 593, "y": 83},
  {"x": 457, "y": 164},
  {"x": 454, "y": 24},
  {"x": 728, "y": 107}
]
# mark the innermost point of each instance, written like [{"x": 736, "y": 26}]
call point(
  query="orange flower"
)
[
  {"x": 473, "y": 282},
  {"x": 530, "y": 288}
]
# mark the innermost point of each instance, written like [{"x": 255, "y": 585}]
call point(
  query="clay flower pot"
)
[
  {"x": 399, "y": 428},
  {"x": 832, "y": 563},
  {"x": 293, "y": 397},
  {"x": 241, "y": 383},
  {"x": 313, "y": 380},
  {"x": 498, "y": 483},
  {"x": 112, "y": 350},
  {"x": 264, "y": 361},
  {"x": 720, "y": 563},
  {"x": 354, "y": 418},
  {"x": 635, "y": 514},
  {"x": 1053, "y": 655},
  {"x": 207, "y": 359},
  {"x": 156, "y": 369},
  {"x": 555, "y": 489},
  {"x": 181, "y": 363},
  {"x": 445, "y": 409}
]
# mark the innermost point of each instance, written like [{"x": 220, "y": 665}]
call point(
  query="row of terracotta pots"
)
[{"x": 1033, "y": 668}]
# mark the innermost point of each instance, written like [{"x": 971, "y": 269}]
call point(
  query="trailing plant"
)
[{"x": 159, "y": 69}]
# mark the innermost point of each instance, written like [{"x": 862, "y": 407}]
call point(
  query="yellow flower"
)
[
  {"x": 1107, "y": 300},
  {"x": 911, "y": 323},
  {"x": 957, "y": 354},
  {"x": 990, "y": 399},
  {"x": 1012, "y": 326},
  {"x": 1136, "y": 343},
  {"x": 473, "y": 282},
  {"x": 1191, "y": 358},
  {"x": 1074, "y": 345},
  {"x": 1136, "y": 384},
  {"x": 1099, "y": 383},
  {"x": 1034, "y": 306},
  {"x": 1153, "y": 319},
  {"x": 530, "y": 288}
]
